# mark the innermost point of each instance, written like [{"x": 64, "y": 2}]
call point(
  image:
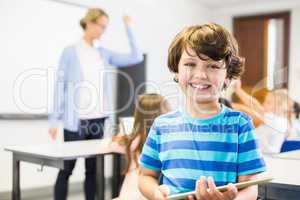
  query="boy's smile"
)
[
  {"x": 199, "y": 86},
  {"x": 201, "y": 79}
]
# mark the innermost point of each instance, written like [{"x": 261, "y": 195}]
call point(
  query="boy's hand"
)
[
  {"x": 208, "y": 191},
  {"x": 161, "y": 192}
]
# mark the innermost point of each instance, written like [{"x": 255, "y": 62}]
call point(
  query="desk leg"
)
[
  {"x": 16, "y": 194},
  {"x": 100, "y": 179},
  {"x": 116, "y": 181}
]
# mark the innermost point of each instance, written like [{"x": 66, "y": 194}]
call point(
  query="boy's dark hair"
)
[{"x": 211, "y": 40}]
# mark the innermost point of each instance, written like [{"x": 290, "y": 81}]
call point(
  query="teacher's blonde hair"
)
[{"x": 91, "y": 16}]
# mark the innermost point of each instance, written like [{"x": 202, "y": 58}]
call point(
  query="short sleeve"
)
[
  {"x": 250, "y": 160},
  {"x": 150, "y": 154}
]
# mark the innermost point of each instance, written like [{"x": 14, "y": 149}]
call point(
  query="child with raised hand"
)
[
  {"x": 149, "y": 106},
  {"x": 274, "y": 114},
  {"x": 204, "y": 144}
]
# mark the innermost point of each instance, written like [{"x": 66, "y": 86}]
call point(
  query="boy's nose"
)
[{"x": 200, "y": 72}]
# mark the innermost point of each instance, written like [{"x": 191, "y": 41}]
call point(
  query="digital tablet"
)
[{"x": 223, "y": 188}]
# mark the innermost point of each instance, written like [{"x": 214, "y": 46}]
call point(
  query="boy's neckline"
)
[{"x": 187, "y": 116}]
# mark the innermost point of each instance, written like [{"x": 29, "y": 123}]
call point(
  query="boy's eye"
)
[
  {"x": 189, "y": 64},
  {"x": 213, "y": 67}
]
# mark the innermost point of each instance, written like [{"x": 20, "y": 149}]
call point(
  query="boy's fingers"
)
[
  {"x": 201, "y": 189},
  {"x": 164, "y": 190},
  {"x": 212, "y": 189},
  {"x": 232, "y": 188},
  {"x": 231, "y": 193},
  {"x": 159, "y": 196},
  {"x": 190, "y": 197},
  {"x": 211, "y": 184},
  {"x": 228, "y": 195}
]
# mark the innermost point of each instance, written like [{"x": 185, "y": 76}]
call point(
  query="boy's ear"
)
[{"x": 175, "y": 78}]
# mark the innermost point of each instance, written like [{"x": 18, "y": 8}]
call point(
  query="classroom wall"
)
[
  {"x": 294, "y": 73},
  {"x": 26, "y": 43},
  {"x": 224, "y": 15},
  {"x": 36, "y": 31},
  {"x": 33, "y": 35}
]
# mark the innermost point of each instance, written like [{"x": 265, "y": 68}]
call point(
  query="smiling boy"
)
[{"x": 205, "y": 144}]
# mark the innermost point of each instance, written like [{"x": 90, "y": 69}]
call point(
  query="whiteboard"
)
[{"x": 33, "y": 35}]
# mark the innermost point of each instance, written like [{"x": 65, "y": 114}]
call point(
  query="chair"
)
[
  {"x": 290, "y": 145},
  {"x": 126, "y": 125}
]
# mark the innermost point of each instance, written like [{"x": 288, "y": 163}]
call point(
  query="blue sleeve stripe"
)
[
  {"x": 149, "y": 166},
  {"x": 244, "y": 120},
  {"x": 151, "y": 143},
  {"x": 251, "y": 165},
  {"x": 199, "y": 146},
  {"x": 253, "y": 171},
  {"x": 246, "y": 127},
  {"x": 147, "y": 150},
  {"x": 249, "y": 155},
  {"x": 246, "y": 137},
  {"x": 152, "y": 133},
  {"x": 247, "y": 146},
  {"x": 200, "y": 165},
  {"x": 150, "y": 161}
]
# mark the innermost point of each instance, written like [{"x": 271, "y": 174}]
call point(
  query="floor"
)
[
  {"x": 78, "y": 196},
  {"x": 76, "y": 193}
]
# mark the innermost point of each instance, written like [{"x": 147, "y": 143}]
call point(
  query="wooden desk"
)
[{"x": 54, "y": 155}]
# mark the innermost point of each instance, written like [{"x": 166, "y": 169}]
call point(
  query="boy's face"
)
[{"x": 201, "y": 80}]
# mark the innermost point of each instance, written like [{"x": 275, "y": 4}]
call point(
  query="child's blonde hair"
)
[
  {"x": 283, "y": 104},
  {"x": 149, "y": 106},
  {"x": 211, "y": 40}
]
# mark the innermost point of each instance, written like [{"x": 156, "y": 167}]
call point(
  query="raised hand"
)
[{"x": 127, "y": 20}]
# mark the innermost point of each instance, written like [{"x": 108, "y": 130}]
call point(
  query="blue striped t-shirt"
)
[{"x": 183, "y": 149}]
